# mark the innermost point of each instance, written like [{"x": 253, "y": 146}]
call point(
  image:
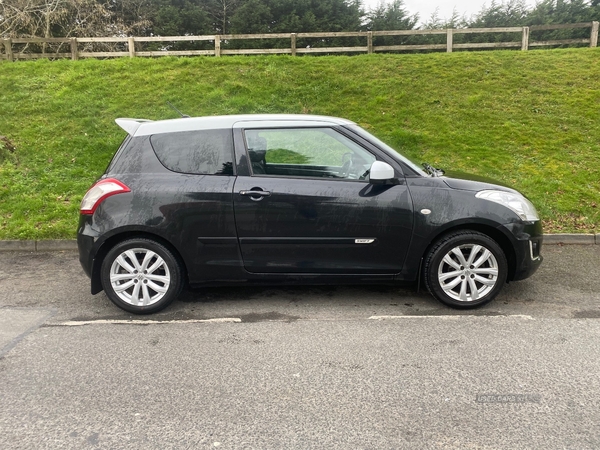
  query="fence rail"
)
[{"x": 128, "y": 44}]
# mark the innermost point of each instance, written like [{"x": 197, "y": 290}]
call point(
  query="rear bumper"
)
[{"x": 86, "y": 244}]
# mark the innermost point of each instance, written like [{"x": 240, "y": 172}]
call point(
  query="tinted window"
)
[
  {"x": 206, "y": 152},
  {"x": 306, "y": 152},
  {"x": 116, "y": 156}
]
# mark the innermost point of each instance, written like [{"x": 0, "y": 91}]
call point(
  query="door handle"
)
[{"x": 255, "y": 193}]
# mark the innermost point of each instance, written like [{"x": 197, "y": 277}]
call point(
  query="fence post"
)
[
  {"x": 217, "y": 45},
  {"x": 8, "y": 48},
  {"x": 369, "y": 42},
  {"x": 525, "y": 39},
  {"x": 449, "y": 37},
  {"x": 293, "y": 43},
  {"x": 74, "y": 54},
  {"x": 594, "y": 35},
  {"x": 131, "y": 46}
]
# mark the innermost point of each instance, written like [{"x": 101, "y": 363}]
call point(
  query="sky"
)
[{"x": 426, "y": 7}]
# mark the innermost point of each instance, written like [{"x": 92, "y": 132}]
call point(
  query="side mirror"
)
[{"x": 381, "y": 172}]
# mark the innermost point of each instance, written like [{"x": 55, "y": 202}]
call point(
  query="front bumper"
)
[{"x": 527, "y": 243}]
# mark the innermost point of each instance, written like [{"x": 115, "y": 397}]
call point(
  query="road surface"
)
[{"x": 300, "y": 367}]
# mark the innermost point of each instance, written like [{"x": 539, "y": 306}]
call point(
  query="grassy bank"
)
[{"x": 529, "y": 119}]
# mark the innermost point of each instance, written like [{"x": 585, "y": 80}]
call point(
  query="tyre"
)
[
  {"x": 141, "y": 276},
  {"x": 465, "y": 269}
]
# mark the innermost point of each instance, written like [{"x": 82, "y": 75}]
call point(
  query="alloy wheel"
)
[
  {"x": 468, "y": 272},
  {"x": 140, "y": 277}
]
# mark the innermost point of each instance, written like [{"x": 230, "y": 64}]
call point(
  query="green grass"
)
[{"x": 529, "y": 119}]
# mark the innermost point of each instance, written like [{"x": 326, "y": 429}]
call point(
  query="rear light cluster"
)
[{"x": 99, "y": 192}]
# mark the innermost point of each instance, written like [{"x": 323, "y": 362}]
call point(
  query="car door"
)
[{"x": 306, "y": 205}]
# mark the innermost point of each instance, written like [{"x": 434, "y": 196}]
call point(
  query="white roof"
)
[{"x": 143, "y": 127}]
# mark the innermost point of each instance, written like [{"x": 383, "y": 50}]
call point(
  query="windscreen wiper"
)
[{"x": 432, "y": 170}]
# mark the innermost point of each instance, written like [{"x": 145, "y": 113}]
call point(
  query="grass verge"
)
[{"x": 528, "y": 119}]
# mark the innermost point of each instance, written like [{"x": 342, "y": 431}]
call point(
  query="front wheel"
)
[
  {"x": 141, "y": 276},
  {"x": 465, "y": 269}
]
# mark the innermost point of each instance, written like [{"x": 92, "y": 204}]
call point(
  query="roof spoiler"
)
[{"x": 131, "y": 125}]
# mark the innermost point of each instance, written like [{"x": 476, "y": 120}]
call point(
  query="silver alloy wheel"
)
[
  {"x": 140, "y": 277},
  {"x": 468, "y": 272}
]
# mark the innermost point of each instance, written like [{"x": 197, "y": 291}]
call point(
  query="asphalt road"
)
[{"x": 302, "y": 367}]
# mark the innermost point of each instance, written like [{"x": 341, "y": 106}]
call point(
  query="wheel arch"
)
[
  {"x": 492, "y": 232},
  {"x": 116, "y": 239}
]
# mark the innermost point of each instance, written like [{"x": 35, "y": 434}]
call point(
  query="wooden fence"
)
[{"x": 128, "y": 44}]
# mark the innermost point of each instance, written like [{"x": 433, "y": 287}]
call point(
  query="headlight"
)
[{"x": 516, "y": 202}]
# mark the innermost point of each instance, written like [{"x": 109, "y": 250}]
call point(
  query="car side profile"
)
[{"x": 293, "y": 199}]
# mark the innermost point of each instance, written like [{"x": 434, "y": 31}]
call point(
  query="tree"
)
[
  {"x": 221, "y": 12},
  {"x": 559, "y": 12},
  {"x": 31, "y": 18},
  {"x": 179, "y": 18},
  {"x": 52, "y": 18},
  {"x": 293, "y": 16},
  {"x": 509, "y": 13},
  {"x": 391, "y": 16},
  {"x": 514, "y": 13},
  {"x": 129, "y": 17},
  {"x": 298, "y": 16},
  {"x": 252, "y": 17},
  {"x": 435, "y": 22}
]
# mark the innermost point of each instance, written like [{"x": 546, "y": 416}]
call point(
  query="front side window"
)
[
  {"x": 307, "y": 152},
  {"x": 202, "y": 152},
  {"x": 387, "y": 149}
]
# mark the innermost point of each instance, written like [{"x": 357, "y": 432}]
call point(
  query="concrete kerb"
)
[
  {"x": 39, "y": 246},
  {"x": 71, "y": 244},
  {"x": 17, "y": 246},
  {"x": 56, "y": 245},
  {"x": 567, "y": 239}
]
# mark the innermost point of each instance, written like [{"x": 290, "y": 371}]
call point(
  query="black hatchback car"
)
[{"x": 292, "y": 199}]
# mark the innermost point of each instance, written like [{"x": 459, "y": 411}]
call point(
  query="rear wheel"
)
[
  {"x": 141, "y": 276},
  {"x": 465, "y": 269}
]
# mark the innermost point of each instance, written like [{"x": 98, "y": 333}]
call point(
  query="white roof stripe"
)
[{"x": 143, "y": 127}]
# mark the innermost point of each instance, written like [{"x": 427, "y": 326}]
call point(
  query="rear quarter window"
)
[
  {"x": 118, "y": 153},
  {"x": 203, "y": 152}
]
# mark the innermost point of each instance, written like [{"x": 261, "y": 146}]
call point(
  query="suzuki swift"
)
[{"x": 293, "y": 199}]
